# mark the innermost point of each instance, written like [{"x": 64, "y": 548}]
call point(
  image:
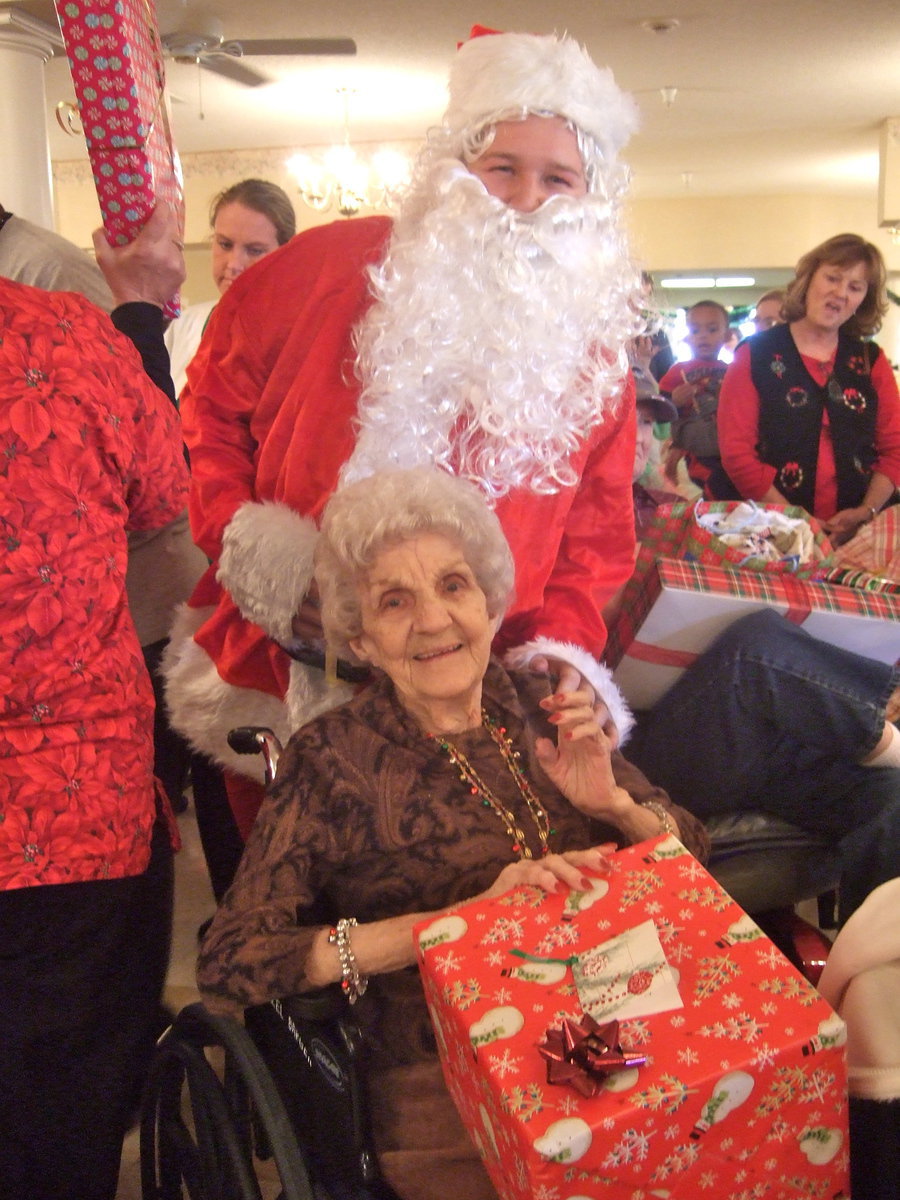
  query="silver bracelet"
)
[
  {"x": 873, "y": 511},
  {"x": 353, "y": 984},
  {"x": 661, "y": 814}
]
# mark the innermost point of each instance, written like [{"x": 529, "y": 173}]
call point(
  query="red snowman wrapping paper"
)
[
  {"x": 743, "y": 1092},
  {"x": 118, "y": 71}
]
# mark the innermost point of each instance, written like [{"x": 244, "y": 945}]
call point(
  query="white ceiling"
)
[{"x": 774, "y": 96}]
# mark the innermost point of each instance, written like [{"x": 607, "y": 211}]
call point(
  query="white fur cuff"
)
[
  {"x": 597, "y": 675},
  {"x": 267, "y": 564}
]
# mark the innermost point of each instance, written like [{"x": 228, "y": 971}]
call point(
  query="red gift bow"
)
[{"x": 583, "y": 1053}]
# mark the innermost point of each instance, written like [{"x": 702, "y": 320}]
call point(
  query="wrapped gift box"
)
[
  {"x": 118, "y": 71},
  {"x": 743, "y": 1091},
  {"x": 672, "y": 611}
]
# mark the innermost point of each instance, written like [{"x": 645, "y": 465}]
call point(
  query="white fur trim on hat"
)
[
  {"x": 267, "y": 564},
  {"x": 500, "y": 72},
  {"x": 597, "y": 675}
]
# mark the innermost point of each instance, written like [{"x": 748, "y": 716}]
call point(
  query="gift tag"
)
[{"x": 626, "y": 977}]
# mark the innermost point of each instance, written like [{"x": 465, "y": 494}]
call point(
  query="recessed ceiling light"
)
[{"x": 688, "y": 281}]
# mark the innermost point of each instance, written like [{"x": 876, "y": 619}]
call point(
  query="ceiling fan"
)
[{"x": 206, "y": 47}]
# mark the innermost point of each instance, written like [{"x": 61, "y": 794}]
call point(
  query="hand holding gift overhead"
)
[{"x": 118, "y": 71}]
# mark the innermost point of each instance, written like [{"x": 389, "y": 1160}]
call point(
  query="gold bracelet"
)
[{"x": 665, "y": 821}]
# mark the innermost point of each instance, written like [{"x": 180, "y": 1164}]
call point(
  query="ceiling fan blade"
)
[
  {"x": 233, "y": 69},
  {"x": 291, "y": 46}
]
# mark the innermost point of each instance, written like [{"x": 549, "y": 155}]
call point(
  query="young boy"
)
[{"x": 693, "y": 387}]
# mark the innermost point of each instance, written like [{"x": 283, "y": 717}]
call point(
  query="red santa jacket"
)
[{"x": 268, "y": 416}]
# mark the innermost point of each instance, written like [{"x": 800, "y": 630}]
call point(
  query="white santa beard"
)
[{"x": 495, "y": 341}]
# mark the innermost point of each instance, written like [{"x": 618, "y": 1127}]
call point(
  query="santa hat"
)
[{"x": 495, "y": 74}]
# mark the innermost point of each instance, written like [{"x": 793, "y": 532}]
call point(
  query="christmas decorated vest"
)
[{"x": 791, "y": 407}]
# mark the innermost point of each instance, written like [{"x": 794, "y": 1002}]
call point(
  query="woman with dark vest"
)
[{"x": 809, "y": 411}]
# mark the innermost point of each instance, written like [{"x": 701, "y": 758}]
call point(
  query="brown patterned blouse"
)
[{"x": 368, "y": 818}]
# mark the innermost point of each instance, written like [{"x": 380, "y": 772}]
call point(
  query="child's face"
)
[{"x": 707, "y": 331}]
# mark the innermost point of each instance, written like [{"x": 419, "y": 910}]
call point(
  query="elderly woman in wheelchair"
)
[
  {"x": 446, "y": 779},
  {"x": 449, "y": 778}
]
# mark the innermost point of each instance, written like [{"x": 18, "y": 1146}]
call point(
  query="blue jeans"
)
[{"x": 774, "y": 720}]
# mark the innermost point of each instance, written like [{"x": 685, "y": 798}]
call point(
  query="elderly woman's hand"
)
[
  {"x": 570, "y": 680},
  {"x": 580, "y": 762},
  {"x": 549, "y": 872}
]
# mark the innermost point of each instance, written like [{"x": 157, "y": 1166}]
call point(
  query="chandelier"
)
[{"x": 344, "y": 179}]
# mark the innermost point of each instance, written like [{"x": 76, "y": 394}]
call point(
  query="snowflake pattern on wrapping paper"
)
[
  {"x": 792, "y": 987},
  {"x": 568, "y": 1105},
  {"x": 462, "y": 994},
  {"x": 713, "y": 974},
  {"x": 632, "y": 1147},
  {"x": 545, "y": 1192},
  {"x": 447, "y": 962},
  {"x": 801, "y": 1186},
  {"x": 524, "y": 897},
  {"x": 792, "y": 1084},
  {"x": 707, "y": 1180},
  {"x": 688, "y": 1056},
  {"x": 504, "y": 929},
  {"x": 691, "y": 868},
  {"x": 707, "y": 897},
  {"x": 635, "y": 1032},
  {"x": 765, "y": 1055},
  {"x": 559, "y": 935},
  {"x": 638, "y": 886},
  {"x": 506, "y": 1063},
  {"x": 667, "y": 932},
  {"x": 666, "y": 1095},
  {"x": 523, "y": 1101},
  {"x": 679, "y": 1160},
  {"x": 743, "y": 1027}
]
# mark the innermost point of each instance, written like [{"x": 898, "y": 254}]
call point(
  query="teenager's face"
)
[
  {"x": 241, "y": 236},
  {"x": 529, "y": 161}
]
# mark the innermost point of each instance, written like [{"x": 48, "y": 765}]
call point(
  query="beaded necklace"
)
[{"x": 478, "y": 787}]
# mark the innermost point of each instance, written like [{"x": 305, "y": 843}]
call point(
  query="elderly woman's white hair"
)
[{"x": 393, "y": 506}]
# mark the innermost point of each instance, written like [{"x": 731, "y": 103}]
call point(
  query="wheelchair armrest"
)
[{"x": 764, "y": 862}]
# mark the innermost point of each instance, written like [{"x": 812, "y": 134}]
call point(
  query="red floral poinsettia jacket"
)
[{"x": 89, "y": 449}]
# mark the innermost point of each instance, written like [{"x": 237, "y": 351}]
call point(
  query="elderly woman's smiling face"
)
[{"x": 425, "y": 623}]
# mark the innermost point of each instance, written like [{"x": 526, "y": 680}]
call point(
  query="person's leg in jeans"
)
[{"x": 772, "y": 719}]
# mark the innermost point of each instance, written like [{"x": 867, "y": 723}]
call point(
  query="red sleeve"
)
[
  {"x": 225, "y": 381},
  {"x": 887, "y": 429},
  {"x": 738, "y": 427},
  {"x": 596, "y": 553}
]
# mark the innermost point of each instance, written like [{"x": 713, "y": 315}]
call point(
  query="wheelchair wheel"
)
[{"x": 200, "y": 1131}]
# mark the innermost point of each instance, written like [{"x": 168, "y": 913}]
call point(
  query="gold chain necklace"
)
[{"x": 478, "y": 787}]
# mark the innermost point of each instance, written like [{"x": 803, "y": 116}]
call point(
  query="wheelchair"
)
[{"x": 288, "y": 1090}]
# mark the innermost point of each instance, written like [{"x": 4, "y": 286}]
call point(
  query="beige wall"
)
[
  {"x": 688, "y": 233},
  {"x": 691, "y": 233}
]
